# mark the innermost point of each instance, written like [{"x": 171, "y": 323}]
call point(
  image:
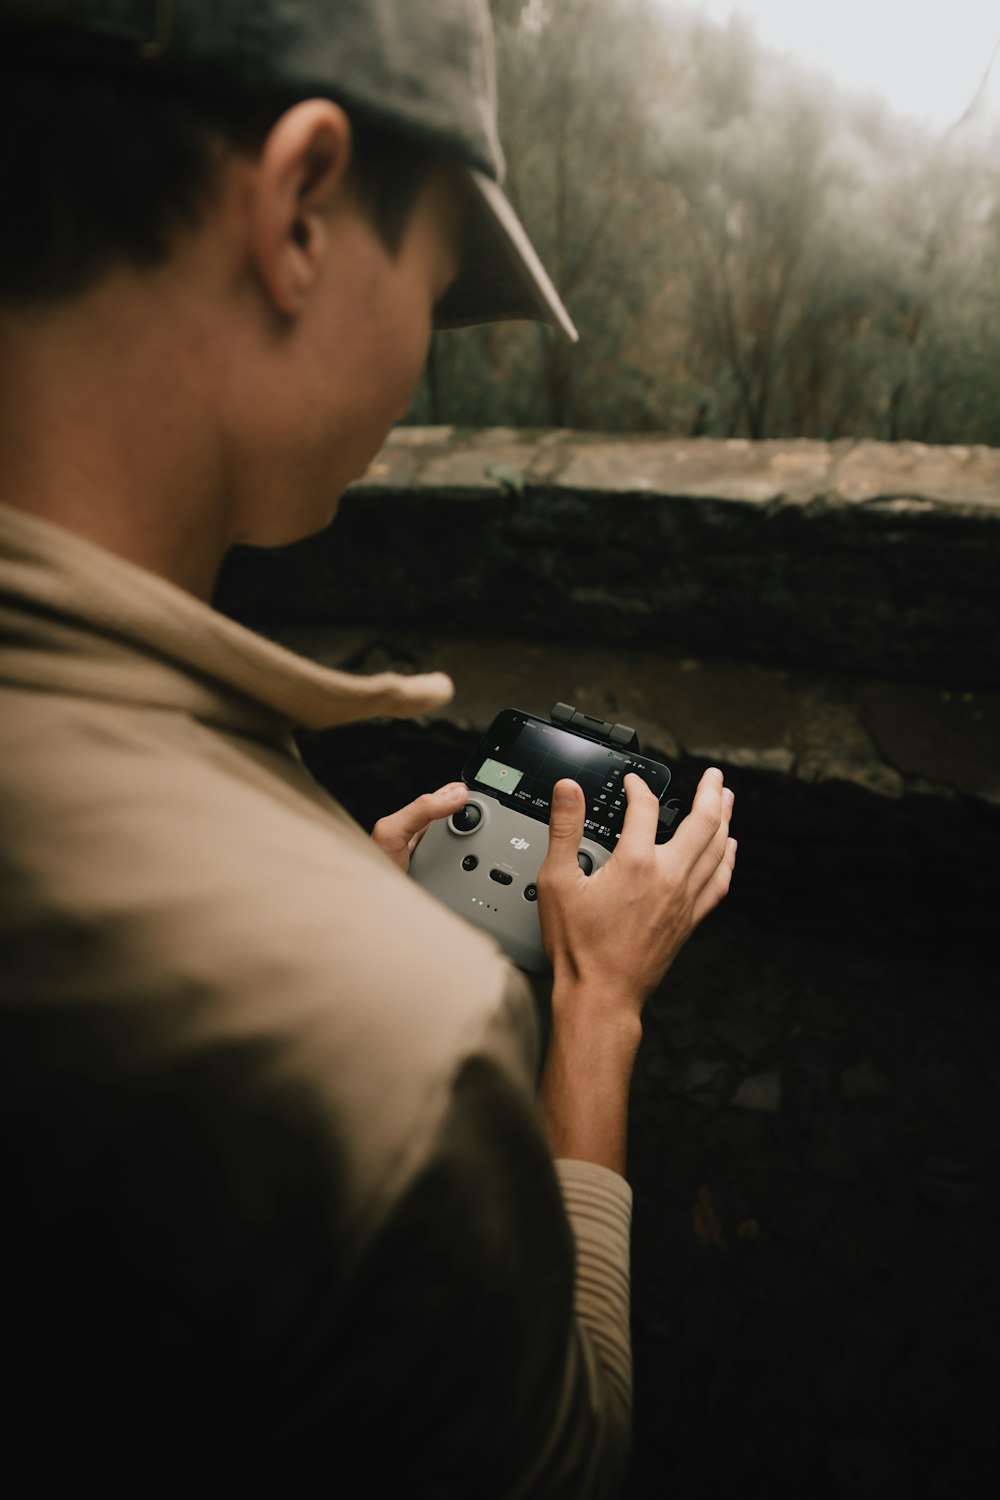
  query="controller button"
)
[
  {"x": 501, "y": 877},
  {"x": 467, "y": 818},
  {"x": 469, "y": 862},
  {"x": 585, "y": 862},
  {"x": 531, "y": 893}
]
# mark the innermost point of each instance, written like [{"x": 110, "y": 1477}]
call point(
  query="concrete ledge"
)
[
  {"x": 862, "y": 807},
  {"x": 884, "y": 738},
  {"x": 865, "y": 558},
  {"x": 819, "y": 620}
]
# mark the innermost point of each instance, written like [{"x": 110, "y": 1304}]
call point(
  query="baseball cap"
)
[{"x": 424, "y": 67}]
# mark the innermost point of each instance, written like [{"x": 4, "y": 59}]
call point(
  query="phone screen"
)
[{"x": 520, "y": 759}]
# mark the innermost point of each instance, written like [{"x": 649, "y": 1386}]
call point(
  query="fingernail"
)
[
  {"x": 456, "y": 792},
  {"x": 563, "y": 796},
  {"x": 715, "y": 773}
]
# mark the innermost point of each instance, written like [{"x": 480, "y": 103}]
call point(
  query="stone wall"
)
[
  {"x": 865, "y": 557},
  {"x": 813, "y": 1130},
  {"x": 819, "y": 620}
]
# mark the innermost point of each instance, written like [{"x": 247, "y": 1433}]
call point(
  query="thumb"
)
[{"x": 565, "y": 826}]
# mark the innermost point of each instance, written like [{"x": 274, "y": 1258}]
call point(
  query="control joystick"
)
[{"x": 467, "y": 819}]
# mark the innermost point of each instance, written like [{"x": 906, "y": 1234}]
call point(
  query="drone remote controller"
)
[{"x": 484, "y": 860}]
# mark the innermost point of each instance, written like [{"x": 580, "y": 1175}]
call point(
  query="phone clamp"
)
[{"x": 619, "y": 735}]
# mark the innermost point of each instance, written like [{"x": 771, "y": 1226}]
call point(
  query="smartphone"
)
[{"x": 520, "y": 759}]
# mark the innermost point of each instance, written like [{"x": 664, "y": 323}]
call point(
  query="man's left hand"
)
[{"x": 399, "y": 834}]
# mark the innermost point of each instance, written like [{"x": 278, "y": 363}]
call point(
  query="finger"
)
[
  {"x": 412, "y": 843},
  {"x": 565, "y": 828},
  {"x": 696, "y": 832},
  {"x": 641, "y": 816},
  {"x": 711, "y": 857},
  {"x": 396, "y": 831},
  {"x": 717, "y": 888}
]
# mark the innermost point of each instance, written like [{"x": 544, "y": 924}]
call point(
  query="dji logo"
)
[{"x": 520, "y": 843}]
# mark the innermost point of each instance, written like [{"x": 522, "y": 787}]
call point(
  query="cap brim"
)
[{"x": 501, "y": 277}]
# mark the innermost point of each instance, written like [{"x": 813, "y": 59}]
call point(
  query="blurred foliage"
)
[{"x": 745, "y": 250}]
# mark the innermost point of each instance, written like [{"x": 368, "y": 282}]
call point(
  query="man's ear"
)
[{"x": 301, "y": 169}]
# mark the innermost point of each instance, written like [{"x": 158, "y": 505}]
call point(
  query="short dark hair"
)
[{"x": 98, "y": 169}]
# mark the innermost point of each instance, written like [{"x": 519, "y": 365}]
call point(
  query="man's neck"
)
[{"x": 106, "y": 425}]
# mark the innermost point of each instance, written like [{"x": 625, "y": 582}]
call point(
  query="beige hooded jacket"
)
[{"x": 276, "y": 1190}]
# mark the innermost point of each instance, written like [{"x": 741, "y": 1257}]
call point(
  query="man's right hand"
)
[
  {"x": 619, "y": 929},
  {"x": 611, "y": 937}
]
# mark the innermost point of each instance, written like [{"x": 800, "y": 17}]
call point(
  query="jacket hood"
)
[{"x": 75, "y": 617}]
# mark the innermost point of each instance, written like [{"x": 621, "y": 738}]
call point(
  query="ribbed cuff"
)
[{"x": 599, "y": 1204}]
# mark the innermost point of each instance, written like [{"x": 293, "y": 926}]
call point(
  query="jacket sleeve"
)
[
  {"x": 599, "y": 1205},
  {"x": 484, "y": 1345}
]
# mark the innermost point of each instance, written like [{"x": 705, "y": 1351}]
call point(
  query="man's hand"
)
[
  {"x": 619, "y": 930},
  {"x": 399, "y": 834},
  {"x": 611, "y": 937}
]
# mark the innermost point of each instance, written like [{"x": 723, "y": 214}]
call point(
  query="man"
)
[{"x": 281, "y": 1199}]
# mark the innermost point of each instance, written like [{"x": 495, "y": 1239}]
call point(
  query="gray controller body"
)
[{"x": 488, "y": 874}]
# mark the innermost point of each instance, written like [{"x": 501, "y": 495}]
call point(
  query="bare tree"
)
[{"x": 743, "y": 249}]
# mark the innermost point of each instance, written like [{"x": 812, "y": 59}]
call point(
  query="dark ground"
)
[
  {"x": 814, "y": 1154},
  {"x": 814, "y": 1144}
]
